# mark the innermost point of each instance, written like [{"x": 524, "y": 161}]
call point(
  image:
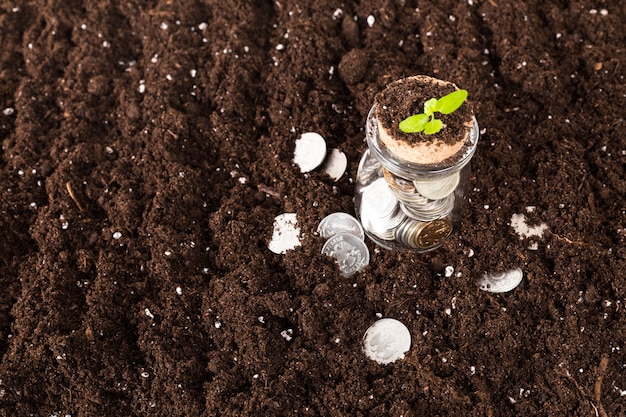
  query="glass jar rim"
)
[{"x": 412, "y": 170}]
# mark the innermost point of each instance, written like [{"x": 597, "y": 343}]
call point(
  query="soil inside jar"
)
[{"x": 406, "y": 97}]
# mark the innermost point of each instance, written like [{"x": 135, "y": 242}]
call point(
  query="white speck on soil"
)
[{"x": 287, "y": 334}]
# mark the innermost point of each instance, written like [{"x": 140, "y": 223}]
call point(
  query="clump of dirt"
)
[{"x": 147, "y": 148}]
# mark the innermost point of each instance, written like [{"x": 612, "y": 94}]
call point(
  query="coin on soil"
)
[
  {"x": 386, "y": 341},
  {"x": 340, "y": 223},
  {"x": 286, "y": 235},
  {"x": 349, "y": 251},
  {"x": 501, "y": 281},
  {"x": 335, "y": 164},
  {"x": 310, "y": 151}
]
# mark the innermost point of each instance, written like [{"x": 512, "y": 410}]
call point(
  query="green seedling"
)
[{"x": 426, "y": 122}]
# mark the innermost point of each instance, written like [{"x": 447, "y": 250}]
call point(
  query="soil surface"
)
[{"x": 147, "y": 148}]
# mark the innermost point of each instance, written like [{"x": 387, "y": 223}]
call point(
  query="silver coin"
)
[
  {"x": 398, "y": 183},
  {"x": 368, "y": 168},
  {"x": 501, "y": 281},
  {"x": 286, "y": 235},
  {"x": 385, "y": 228},
  {"x": 438, "y": 188},
  {"x": 408, "y": 230},
  {"x": 335, "y": 164},
  {"x": 432, "y": 210},
  {"x": 310, "y": 151},
  {"x": 386, "y": 341},
  {"x": 340, "y": 223},
  {"x": 378, "y": 198},
  {"x": 349, "y": 251},
  {"x": 410, "y": 198},
  {"x": 379, "y": 211}
]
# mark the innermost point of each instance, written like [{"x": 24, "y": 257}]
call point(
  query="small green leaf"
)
[
  {"x": 433, "y": 126},
  {"x": 413, "y": 124},
  {"x": 430, "y": 106},
  {"x": 449, "y": 103}
]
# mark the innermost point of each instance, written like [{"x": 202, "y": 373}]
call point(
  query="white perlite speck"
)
[{"x": 287, "y": 334}]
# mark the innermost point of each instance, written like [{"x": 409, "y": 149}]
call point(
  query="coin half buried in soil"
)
[
  {"x": 501, "y": 281},
  {"x": 349, "y": 251},
  {"x": 386, "y": 341},
  {"x": 286, "y": 234},
  {"x": 310, "y": 151},
  {"x": 335, "y": 164},
  {"x": 340, "y": 223}
]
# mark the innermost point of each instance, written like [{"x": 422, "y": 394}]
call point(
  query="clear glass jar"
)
[{"x": 404, "y": 205}]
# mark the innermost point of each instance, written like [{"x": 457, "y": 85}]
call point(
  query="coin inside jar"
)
[
  {"x": 437, "y": 188},
  {"x": 432, "y": 234},
  {"x": 431, "y": 210},
  {"x": 398, "y": 183},
  {"x": 408, "y": 230},
  {"x": 368, "y": 168},
  {"x": 380, "y": 212}
]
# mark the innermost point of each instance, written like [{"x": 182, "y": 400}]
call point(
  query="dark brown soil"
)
[{"x": 147, "y": 148}]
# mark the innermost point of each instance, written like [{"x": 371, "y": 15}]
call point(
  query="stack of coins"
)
[
  {"x": 423, "y": 235},
  {"x": 380, "y": 211},
  {"x": 413, "y": 213},
  {"x": 430, "y": 209},
  {"x": 419, "y": 206}
]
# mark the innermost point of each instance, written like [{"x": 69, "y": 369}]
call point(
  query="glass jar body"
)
[{"x": 408, "y": 206}]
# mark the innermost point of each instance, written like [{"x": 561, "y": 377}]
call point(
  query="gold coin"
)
[
  {"x": 398, "y": 183},
  {"x": 433, "y": 233}
]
